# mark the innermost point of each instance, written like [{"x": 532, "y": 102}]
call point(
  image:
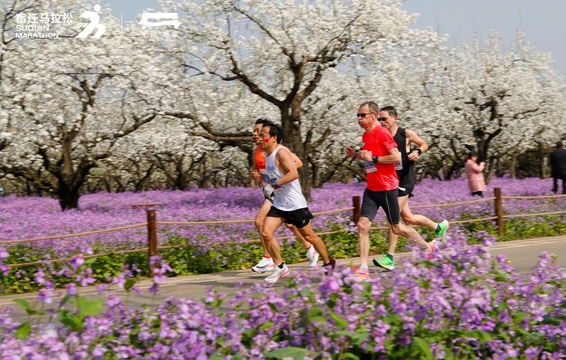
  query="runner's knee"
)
[
  {"x": 397, "y": 229},
  {"x": 258, "y": 222},
  {"x": 364, "y": 225},
  {"x": 311, "y": 238},
  {"x": 408, "y": 219},
  {"x": 267, "y": 236}
]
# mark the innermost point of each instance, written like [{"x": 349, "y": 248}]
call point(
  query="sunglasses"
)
[
  {"x": 362, "y": 115},
  {"x": 382, "y": 119}
]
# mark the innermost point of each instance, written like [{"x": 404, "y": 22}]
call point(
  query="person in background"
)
[
  {"x": 474, "y": 174},
  {"x": 259, "y": 173},
  {"x": 406, "y": 173},
  {"x": 192, "y": 185},
  {"x": 379, "y": 154},
  {"x": 558, "y": 165}
]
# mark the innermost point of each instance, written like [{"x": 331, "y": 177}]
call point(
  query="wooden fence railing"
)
[{"x": 152, "y": 223}]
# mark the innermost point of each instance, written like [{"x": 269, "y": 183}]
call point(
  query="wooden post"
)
[
  {"x": 356, "y": 202},
  {"x": 499, "y": 211},
  {"x": 151, "y": 237},
  {"x": 136, "y": 206}
]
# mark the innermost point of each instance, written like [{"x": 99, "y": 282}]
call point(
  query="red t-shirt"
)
[{"x": 380, "y": 177}]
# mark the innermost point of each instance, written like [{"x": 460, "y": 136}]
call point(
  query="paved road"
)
[{"x": 522, "y": 253}]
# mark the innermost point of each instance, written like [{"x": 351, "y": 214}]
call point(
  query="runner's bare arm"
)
[
  {"x": 413, "y": 138},
  {"x": 285, "y": 163},
  {"x": 394, "y": 157},
  {"x": 350, "y": 152}
]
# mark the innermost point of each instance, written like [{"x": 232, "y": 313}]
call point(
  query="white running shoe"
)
[
  {"x": 264, "y": 265},
  {"x": 313, "y": 256},
  {"x": 277, "y": 274}
]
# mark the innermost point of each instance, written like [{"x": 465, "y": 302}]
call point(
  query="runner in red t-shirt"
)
[{"x": 379, "y": 154}]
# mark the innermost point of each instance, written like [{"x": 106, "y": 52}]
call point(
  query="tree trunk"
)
[
  {"x": 182, "y": 178},
  {"x": 293, "y": 140},
  {"x": 513, "y": 166},
  {"x": 541, "y": 164},
  {"x": 68, "y": 197},
  {"x": 70, "y": 181}
]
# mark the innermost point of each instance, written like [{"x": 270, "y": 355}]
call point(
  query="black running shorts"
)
[
  {"x": 388, "y": 200},
  {"x": 300, "y": 217}
]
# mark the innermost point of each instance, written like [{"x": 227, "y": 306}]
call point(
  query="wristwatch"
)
[{"x": 375, "y": 159}]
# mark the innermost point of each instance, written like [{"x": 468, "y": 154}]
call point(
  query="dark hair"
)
[
  {"x": 558, "y": 144},
  {"x": 275, "y": 130},
  {"x": 372, "y": 106},
  {"x": 390, "y": 109},
  {"x": 471, "y": 154},
  {"x": 263, "y": 121}
]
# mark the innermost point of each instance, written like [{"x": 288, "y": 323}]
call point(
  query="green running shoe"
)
[
  {"x": 385, "y": 262},
  {"x": 442, "y": 228}
]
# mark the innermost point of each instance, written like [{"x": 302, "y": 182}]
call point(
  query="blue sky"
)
[{"x": 542, "y": 20}]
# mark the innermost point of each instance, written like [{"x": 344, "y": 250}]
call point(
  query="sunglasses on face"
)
[{"x": 362, "y": 115}]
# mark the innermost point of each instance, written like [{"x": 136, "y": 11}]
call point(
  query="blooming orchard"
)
[{"x": 128, "y": 112}]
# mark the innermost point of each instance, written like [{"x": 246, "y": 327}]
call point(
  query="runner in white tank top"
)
[
  {"x": 289, "y": 204},
  {"x": 288, "y": 197}
]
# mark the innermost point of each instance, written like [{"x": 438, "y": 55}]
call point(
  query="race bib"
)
[
  {"x": 370, "y": 166},
  {"x": 264, "y": 177}
]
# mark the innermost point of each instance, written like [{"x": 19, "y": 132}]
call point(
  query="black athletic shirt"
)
[{"x": 407, "y": 173}]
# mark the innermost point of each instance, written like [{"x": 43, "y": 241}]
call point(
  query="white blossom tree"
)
[
  {"x": 498, "y": 102},
  {"x": 70, "y": 100},
  {"x": 282, "y": 51},
  {"x": 129, "y": 111}
]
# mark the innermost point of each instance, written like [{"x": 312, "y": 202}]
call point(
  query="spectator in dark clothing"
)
[{"x": 558, "y": 165}]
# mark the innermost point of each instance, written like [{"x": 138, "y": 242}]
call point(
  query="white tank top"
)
[{"x": 289, "y": 196}]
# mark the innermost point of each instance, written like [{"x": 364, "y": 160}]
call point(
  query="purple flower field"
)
[
  {"x": 35, "y": 217},
  {"x": 470, "y": 305}
]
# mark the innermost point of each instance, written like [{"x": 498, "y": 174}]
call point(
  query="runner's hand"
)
[{"x": 268, "y": 191}]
